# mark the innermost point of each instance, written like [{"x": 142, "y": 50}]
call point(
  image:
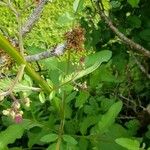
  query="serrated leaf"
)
[
  {"x": 130, "y": 144},
  {"x": 9, "y": 136},
  {"x": 78, "y": 5},
  {"x": 42, "y": 97},
  {"x": 69, "y": 139},
  {"x": 49, "y": 138},
  {"x": 109, "y": 118},
  {"x": 134, "y": 3}
]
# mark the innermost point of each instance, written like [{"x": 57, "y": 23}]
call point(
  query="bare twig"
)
[
  {"x": 141, "y": 67},
  {"x": 123, "y": 38},
  {"x": 126, "y": 117},
  {"x": 56, "y": 51},
  {"x": 33, "y": 18}
]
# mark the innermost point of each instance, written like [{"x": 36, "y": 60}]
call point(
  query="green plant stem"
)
[
  {"x": 62, "y": 108},
  {"x": 12, "y": 52},
  {"x": 62, "y": 122}
]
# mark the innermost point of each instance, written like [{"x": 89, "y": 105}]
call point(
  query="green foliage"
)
[
  {"x": 109, "y": 118},
  {"x": 69, "y": 139},
  {"x": 97, "y": 98},
  {"x": 12, "y": 133},
  {"x": 78, "y": 5},
  {"x": 49, "y": 138},
  {"x": 134, "y": 3},
  {"x": 128, "y": 143}
]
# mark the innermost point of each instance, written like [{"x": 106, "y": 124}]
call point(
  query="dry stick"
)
[
  {"x": 124, "y": 39},
  {"x": 33, "y": 18},
  {"x": 56, "y": 51},
  {"x": 141, "y": 67}
]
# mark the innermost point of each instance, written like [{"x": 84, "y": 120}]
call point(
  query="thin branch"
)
[
  {"x": 56, "y": 51},
  {"x": 123, "y": 38},
  {"x": 33, "y": 18},
  {"x": 141, "y": 67}
]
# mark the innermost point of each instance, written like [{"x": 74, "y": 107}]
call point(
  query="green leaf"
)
[
  {"x": 145, "y": 35},
  {"x": 95, "y": 60},
  {"x": 42, "y": 97},
  {"x": 134, "y": 3},
  {"x": 81, "y": 99},
  {"x": 65, "y": 19},
  {"x": 52, "y": 95},
  {"x": 133, "y": 126},
  {"x": 134, "y": 21},
  {"x": 87, "y": 122},
  {"x": 115, "y": 4},
  {"x": 106, "y": 4},
  {"x": 49, "y": 138},
  {"x": 34, "y": 138},
  {"x": 102, "y": 56},
  {"x": 109, "y": 118},
  {"x": 71, "y": 96},
  {"x": 130, "y": 144},
  {"x": 78, "y": 5},
  {"x": 9, "y": 136},
  {"x": 69, "y": 139}
]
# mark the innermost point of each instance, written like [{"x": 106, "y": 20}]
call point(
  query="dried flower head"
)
[{"x": 75, "y": 38}]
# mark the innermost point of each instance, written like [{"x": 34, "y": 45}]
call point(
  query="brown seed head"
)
[{"x": 75, "y": 39}]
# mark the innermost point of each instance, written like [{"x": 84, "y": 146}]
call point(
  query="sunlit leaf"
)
[
  {"x": 130, "y": 144},
  {"x": 78, "y": 5}
]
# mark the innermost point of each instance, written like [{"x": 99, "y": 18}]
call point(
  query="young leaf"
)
[
  {"x": 130, "y": 144},
  {"x": 9, "y": 136},
  {"x": 49, "y": 138},
  {"x": 69, "y": 139},
  {"x": 109, "y": 118},
  {"x": 78, "y": 5},
  {"x": 42, "y": 97}
]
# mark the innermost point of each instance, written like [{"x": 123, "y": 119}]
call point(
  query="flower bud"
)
[
  {"x": 18, "y": 118},
  {"x": 12, "y": 113},
  {"x": 16, "y": 105},
  {"x": 6, "y": 112},
  {"x": 27, "y": 102}
]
